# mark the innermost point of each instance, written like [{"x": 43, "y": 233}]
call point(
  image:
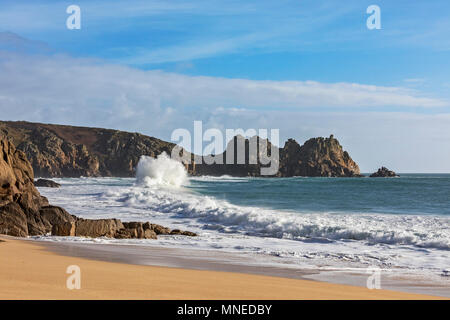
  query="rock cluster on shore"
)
[
  {"x": 67, "y": 151},
  {"x": 24, "y": 212},
  {"x": 113, "y": 228},
  {"x": 384, "y": 172}
]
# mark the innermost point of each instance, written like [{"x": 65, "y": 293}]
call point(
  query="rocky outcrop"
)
[
  {"x": 113, "y": 228},
  {"x": 244, "y": 163},
  {"x": 66, "y": 151},
  {"x": 384, "y": 172},
  {"x": 24, "y": 212},
  {"x": 46, "y": 183},
  {"x": 97, "y": 228},
  {"x": 318, "y": 157}
]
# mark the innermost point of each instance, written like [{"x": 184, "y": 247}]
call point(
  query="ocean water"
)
[{"x": 398, "y": 224}]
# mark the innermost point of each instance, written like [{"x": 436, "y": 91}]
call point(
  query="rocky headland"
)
[
  {"x": 68, "y": 151},
  {"x": 318, "y": 157}
]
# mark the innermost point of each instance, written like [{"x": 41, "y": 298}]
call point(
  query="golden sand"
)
[{"x": 28, "y": 271}]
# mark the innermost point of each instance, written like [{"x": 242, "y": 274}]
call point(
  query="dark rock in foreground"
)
[
  {"x": 24, "y": 212},
  {"x": 384, "y": 172},
  {"x": 46, "y": 183}
]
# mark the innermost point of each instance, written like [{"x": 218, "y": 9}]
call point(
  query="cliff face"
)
[
  {"x": 245, "y": 166},
  {"x": 318, "y": 157},
  {"x": 23, "y": 211},
  {"x": 66, "y": 151}
]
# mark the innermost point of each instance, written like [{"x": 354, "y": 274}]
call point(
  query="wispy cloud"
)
[
  {"x": 196, "y": 29},
  {"x": 62, "y": 82}
]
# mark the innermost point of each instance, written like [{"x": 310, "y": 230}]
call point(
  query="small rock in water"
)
[
  {"x": 46, "y": 183},
  {"x": 384, "y": 172}
]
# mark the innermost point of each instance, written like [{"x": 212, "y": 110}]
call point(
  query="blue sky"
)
[{"x": 307, "y": 67}]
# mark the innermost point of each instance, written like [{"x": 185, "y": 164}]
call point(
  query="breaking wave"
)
[
  {"x": 160, "y": 171},
  {"x": 220, "y": 215}
]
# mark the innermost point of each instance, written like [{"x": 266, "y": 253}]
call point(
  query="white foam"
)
[
  {"x": 224, "y": 178},
  {"x": 400, "y": 242},
  {"x": 160, "y": 171}
]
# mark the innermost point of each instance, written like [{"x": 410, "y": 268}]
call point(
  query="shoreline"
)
[
  {"x": 35, "y": 270},
  {"x": 214, "y": 260}
]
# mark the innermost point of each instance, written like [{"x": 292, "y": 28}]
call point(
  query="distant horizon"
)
[{"x": 300, "y": 142}]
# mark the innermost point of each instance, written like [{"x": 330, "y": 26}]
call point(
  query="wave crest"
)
[{"x": 160, "y": 171}]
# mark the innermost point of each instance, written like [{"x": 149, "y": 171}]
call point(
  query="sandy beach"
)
[{"x": 30, "y": 271}]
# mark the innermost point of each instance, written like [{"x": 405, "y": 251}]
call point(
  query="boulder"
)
[
  {"x": 384, "y": 172},
  {"x": 64, "y": 229},
  {"x": 55, "y": 215},
  {"x": 183, "y": 233},
  {"x": 136, "y": 227},
  {"x": 158, "y": 229},
  {"x": 134, "y": 233},
  {"x": 126, "y": 234},
  {"x": 13, "y": 220},
  {"x": 97, "y": 228},
  {"x": 150, "y": 234},
  {"x": 138, "y": 230},
  {"x": 46, "y": 183}
]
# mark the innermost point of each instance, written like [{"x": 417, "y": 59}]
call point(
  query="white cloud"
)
[
  {"x": 62, "y": 80},
  {"x": 62, "y": 89}
]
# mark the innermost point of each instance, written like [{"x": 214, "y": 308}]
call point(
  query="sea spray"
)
[{"x": 160, "y": 171}]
